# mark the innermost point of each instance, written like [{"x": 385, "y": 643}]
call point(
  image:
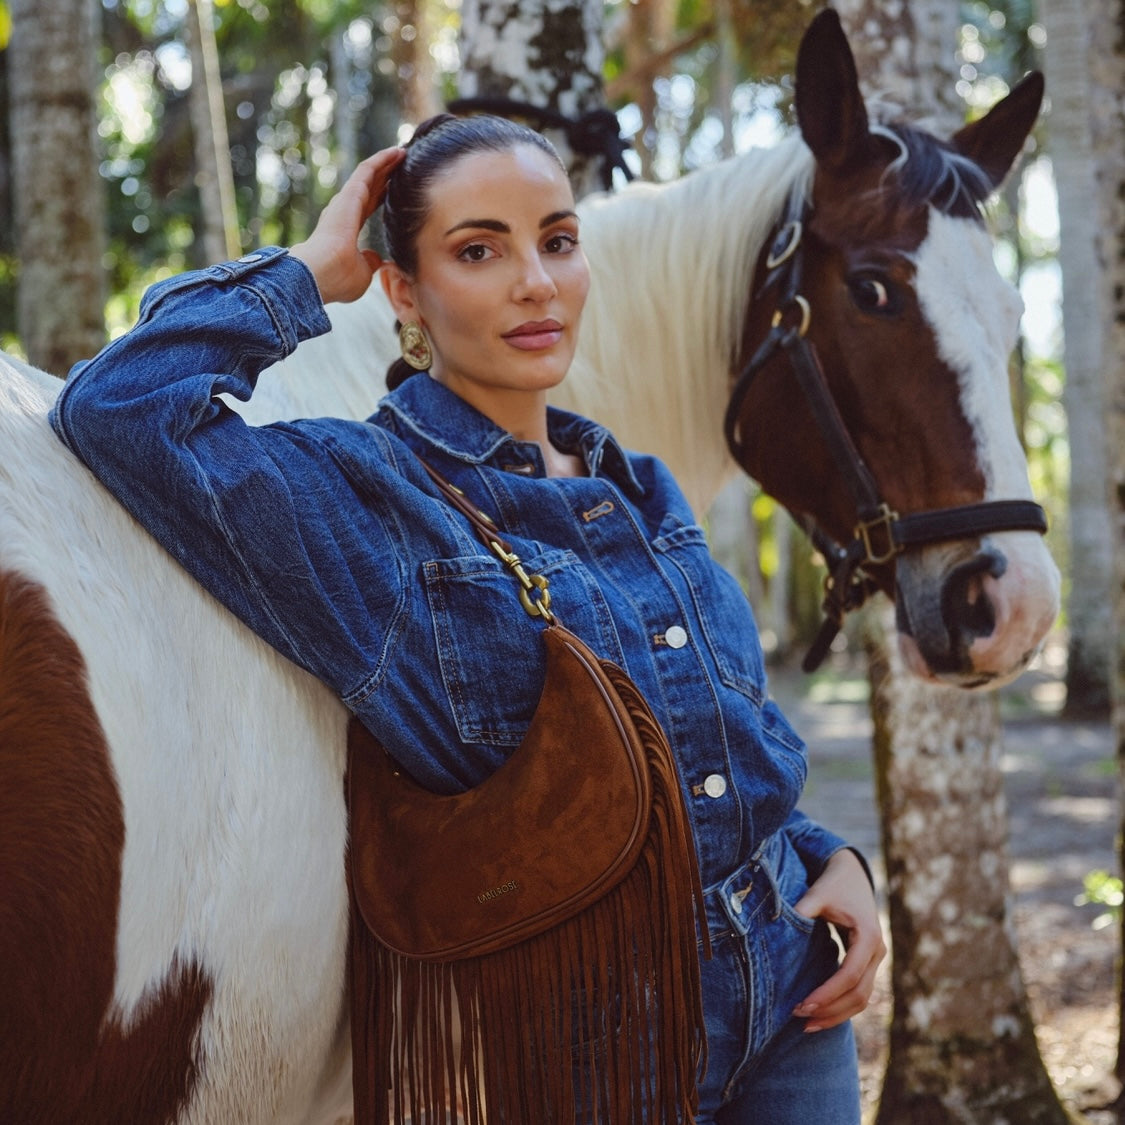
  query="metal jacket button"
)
[
  {"x": 676, "y": 637},
  {"x": 714, "y": 785}
]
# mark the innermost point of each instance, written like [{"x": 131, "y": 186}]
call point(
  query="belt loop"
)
[{"x": 768, "y": 869}]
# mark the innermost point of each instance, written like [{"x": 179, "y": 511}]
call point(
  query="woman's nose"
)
[{"x": 534, "y": 282}]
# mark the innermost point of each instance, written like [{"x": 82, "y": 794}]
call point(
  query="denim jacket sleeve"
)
[
  {"x": 144, "y": 416},
  {"x": 816, "y": 845}
]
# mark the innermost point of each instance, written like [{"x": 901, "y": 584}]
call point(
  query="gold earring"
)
[{"x": 415, "y": 347}]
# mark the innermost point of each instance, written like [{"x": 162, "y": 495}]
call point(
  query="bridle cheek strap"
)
[{"x": 880, "y": 533}]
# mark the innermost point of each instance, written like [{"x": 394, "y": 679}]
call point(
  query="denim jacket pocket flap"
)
[{"x": 489, "y": 650}]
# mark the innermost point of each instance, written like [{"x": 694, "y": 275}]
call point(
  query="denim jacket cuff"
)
[{"x": 285, "y": 286}]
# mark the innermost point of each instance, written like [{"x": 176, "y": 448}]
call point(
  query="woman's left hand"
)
[{"x": 843, "y": 896}]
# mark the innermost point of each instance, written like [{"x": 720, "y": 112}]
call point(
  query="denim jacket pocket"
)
[
  {"x": 490, "y": 653},
  {"x": 721, "y": 608}
]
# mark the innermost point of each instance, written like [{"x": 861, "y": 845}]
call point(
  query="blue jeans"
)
[{"x": 762, "y": 1067}]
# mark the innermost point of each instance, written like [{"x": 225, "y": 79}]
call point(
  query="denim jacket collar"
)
[{"x": 445, "y": 421}]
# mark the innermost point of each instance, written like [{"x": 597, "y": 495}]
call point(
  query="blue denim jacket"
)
[{"x": 327, "y": 539}]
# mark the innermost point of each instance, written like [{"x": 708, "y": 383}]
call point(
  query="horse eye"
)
[{"x": 872, "y": 295}]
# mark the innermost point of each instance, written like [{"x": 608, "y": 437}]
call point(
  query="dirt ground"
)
[{"x": 1061, "y": 791}]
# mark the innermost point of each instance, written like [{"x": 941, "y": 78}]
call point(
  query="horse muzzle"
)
[{"x": 973, "y": 613}]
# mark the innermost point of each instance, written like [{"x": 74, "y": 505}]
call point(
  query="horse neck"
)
[{"x": 672, "y": 270}]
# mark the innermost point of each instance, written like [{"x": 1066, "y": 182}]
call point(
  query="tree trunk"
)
[
  {"x": 905, "y": 52},
  {"x": 649, "y": 29},
  {"x": 963, "y": 1046},
  {"x": 1070, "y": 28},
  {"x": 1107, "y": 81},
  {"x": 59, "y": 203},
  {"x": 962, "y": 1042},
  {"x": 414, "y": 66},
  {"x": 548, "y": 56},
  {"x": 213, "y": 173}
]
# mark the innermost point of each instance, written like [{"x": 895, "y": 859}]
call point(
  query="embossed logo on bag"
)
[{"x": 504, "y": 889}]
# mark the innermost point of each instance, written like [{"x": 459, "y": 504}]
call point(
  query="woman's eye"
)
[
  {"x": 474, "y": 252},
  {"x": 873, "y": 295},
  {"x": 560, "y": 243}
]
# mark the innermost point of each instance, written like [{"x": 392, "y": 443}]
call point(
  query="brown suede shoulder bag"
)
[{"x": 526, "y": 952}]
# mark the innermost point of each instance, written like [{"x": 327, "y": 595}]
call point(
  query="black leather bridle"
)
[{"x": 880, "y": 533}]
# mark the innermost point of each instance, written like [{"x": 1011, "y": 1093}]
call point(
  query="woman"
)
[{"x": 326, "y": 537}]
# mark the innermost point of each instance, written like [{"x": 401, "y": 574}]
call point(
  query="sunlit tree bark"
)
[
  {"x": 1071, "y": 27},
  {"x": 547, "y": 56},
  {"x": 414, "y": 65},
  {"x": 59, "y": 202},
  {"x": 962, "y": 1043}
]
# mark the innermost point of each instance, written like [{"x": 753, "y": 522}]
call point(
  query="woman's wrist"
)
[{"x": 303, "y": 252}]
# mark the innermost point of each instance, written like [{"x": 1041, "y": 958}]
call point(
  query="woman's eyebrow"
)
[
  {"x": 502, "y": 228},
  {"x": 481, "y": 224},
  {"x": 556, "y": 216}
]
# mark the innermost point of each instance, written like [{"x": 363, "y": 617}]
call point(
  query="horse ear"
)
[
  {"x": 830, "y": 109},
  {"x": 994, "y": 141}
]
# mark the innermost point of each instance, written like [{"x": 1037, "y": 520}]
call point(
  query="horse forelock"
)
[{"x": 929, "y": 171}]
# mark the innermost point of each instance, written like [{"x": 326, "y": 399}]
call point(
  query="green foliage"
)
[
  {"x": 1100, "y": 888},
  {"x": 1000, "y": 42}
]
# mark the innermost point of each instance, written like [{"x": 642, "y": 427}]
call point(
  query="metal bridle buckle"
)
[
  {"x": 776, "y": 257},
  {"x": 884, "y": 521},
  {"x": 806, "y": 314}
]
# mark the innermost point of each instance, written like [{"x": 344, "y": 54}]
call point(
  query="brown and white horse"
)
[{"x": 173, "y": 912}]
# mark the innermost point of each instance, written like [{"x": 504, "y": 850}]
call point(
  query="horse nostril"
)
[{"x": 966, "y": 608}]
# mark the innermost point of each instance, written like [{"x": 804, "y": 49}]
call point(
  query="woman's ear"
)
[{"x": 400, "y": 292}]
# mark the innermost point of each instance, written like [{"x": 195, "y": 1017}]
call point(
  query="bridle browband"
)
[{"x": 880, "y": 533}]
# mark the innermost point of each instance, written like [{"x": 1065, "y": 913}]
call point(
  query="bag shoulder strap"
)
[{"x": 535, "y": 597}]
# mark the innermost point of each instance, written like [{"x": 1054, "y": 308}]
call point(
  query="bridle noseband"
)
[{"x": 880, "y": 533}]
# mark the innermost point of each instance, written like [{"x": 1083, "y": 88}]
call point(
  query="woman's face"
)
[{"x": 501, "y": 279}]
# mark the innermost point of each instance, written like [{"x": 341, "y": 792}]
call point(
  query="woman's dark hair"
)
[{"x": 437, "y": 143}]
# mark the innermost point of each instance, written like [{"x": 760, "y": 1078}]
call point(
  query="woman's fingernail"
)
[{"x": 805, "y": 1009}]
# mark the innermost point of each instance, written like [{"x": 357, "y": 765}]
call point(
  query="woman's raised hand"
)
[{"x": 342, "y": 270}]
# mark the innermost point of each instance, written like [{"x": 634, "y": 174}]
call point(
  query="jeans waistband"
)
[{"x": 734, "y": 901}]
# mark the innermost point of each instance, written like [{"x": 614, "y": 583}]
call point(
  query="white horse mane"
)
[{"x": 690, "y": 248}]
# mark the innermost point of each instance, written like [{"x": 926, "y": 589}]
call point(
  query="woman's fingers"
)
[
  {"x": 843, "y": 896},
  {"x": 371, "y": 177},
  {"x": 848, "y": 991},
  {"x": 343, "y": 270}
]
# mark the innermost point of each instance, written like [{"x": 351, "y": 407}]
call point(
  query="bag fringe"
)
[{"x": 598, "y": 1018}]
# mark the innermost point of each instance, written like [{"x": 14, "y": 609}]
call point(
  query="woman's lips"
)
[{"x": 535, "y": 335}]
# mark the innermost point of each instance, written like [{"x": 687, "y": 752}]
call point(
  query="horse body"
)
[
  {"x": 214, "y": 992},
  {"x": 201, "y": 976}
]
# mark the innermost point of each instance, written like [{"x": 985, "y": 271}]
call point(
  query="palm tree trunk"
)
[
  {"x": 59, "y": 202},
  {"x": 1107, "y": 118}
]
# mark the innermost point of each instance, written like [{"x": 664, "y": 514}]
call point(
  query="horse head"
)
[{"x": 884, "y": 287}]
